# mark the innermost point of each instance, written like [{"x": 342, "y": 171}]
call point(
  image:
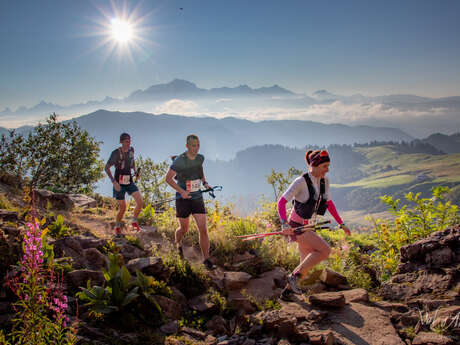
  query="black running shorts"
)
[{"x": 186, "y": 207}]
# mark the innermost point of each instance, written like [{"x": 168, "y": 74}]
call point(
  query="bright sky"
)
[{"x": 53, "y": 49}]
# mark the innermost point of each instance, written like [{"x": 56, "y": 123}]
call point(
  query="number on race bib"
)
[
  {"x": 124, "y": 179},
  {"x": 193, "y": 185}
]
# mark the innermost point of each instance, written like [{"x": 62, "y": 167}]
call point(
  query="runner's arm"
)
[
  {"x": 333, "y": 211},
  {"x": 109, "y": 172},
  {"x": 170, "y": 180}
]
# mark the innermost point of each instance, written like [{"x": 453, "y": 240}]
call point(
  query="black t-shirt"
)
[
  {"x": 187, "y": 169},
  {"x": 123, "y": 162}
]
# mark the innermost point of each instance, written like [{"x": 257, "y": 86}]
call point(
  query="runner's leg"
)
[
  {"x": 138, "y": 198},
  {"x": 121, "y": 210},
  {"x": 181, "y": 230},
  {"x": 315, "y": 248},
  {"x": 200, "y": 219}
]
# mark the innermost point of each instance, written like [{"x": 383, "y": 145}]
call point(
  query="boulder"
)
[
  {"x": 218, "y": 325},
  {"x": 427, "y": 338},
  {"x": 171, "y": 327},
  {"x": 65, "y": 201},
  {"x": 356, "y": 295},
  {"x": 171, "y": 309},
  {"x": 78, "y": 278},
  {"x": 8, "y": 216},
  {"x": 328, "y": 300},
  {"x": 193, "y": 333},
  {"x": 332, "y": 278},
  {"x": 321, "y": 338},
  {"x": 95, "y": 259},
  {"x": 152, "y": 266},
  {"x": 240, "y": 302},
  {"x": 128, "y": 251},
  {"x": 201, "y": 304},
  {"x": 236, "y": 280},
  {"x": 278, "y": 321}
]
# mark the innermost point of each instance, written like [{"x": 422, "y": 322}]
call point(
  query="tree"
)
[
  {"x": 280, "y": 182},
  {"x": 151, "y": 180},
  {"x": 59, "y": 156}
]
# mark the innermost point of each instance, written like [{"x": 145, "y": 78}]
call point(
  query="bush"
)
[
  {"x": 425, "y": 216},
  {"x": 57, "y": 156}
]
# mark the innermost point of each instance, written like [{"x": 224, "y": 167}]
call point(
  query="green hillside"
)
[{"x": 388, "y": 171}]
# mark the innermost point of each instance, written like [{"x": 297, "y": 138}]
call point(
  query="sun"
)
[{"x": 122, "y": 31}]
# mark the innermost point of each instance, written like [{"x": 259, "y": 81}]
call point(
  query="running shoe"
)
[
  {"x": 180, "y": 251},
  {"x": 135, "y": 226},
  {"x": 287, "y": 295},
  {"x": 208, "y": 264},
  {"x": 117, "y": 230},
  {"x": 293, "y": 280}
]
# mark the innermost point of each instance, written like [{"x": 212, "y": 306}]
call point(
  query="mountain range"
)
[{"x": 416, "y": 115}]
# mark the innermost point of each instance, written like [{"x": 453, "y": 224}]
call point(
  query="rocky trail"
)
[{"x": 332, "y": 313}]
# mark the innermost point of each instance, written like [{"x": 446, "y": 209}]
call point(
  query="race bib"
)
[
  {"x": 193, "y": 185},
  {"x": 124, "y": 179}
]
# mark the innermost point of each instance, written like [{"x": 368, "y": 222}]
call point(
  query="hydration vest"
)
[{"x": 306, "y": 209}]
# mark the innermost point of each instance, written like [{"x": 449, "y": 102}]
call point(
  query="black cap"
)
[{"x": 124, "y": 136}]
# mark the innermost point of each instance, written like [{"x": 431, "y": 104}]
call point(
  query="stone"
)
[
  {"x": 201, "y": 304},
  {"x": 439, "y": 257},
  {"x": 8, "y": 216},
  {"x": 179, "y": 297},
  {"x": 448, "y": 317},
  {"x": 236, "y": 280},
  {"x": 193, "y": 332},
  {"x": 278, "y": 321},
  {"x": 332, "y": 278},
  {"x": 240, "y": 302},
  {"x": 218, "y": 325},
  {"x": 78, "y": 278},
  {"x": 321, "y": 338},
  {"x": 171, "y": 327},
  {"x": 210, "y": 340},
  {"x": 249, "y": 342},
  {"x": 95, "y": 259},
  {"x": 152, "y": 266},
  {"x": 65, "y": 201},
  {"x": 356, "y": 295},
  {"x": 129, "y": 252},
  {"x": 427, "y": 338},
  {"x": 171, "y": 309},
  {"x": 284, "y": 342},
  {"x": 328, "y": 300}
]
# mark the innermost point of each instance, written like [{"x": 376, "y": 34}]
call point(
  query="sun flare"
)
[{"x": 122, "y": 31}]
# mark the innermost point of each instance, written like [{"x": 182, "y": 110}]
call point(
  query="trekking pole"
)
[
  {"x": 297, "y": 231},
  {"x": 193, "y": 195}
]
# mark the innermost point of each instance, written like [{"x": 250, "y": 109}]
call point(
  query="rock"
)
[
  {"x": 218, "y": 325},
  {"x": 151, "y": 266},
  {"x": 235, "y": 280},
  {"x": 427, "y": 338},
  {"x": 193, "y": 332},
  {"x": 255, "y": 331},
  {"x": 316, "y": 287},
  {"x": 246, "y": 256},
  {"x": 440, "y": 257},
  {"x": 130, "y": 252},
  {"x": 332, "y": 278},
  {"x": 279, "y": 321},
  {"x": 210, "y": 340},
  {"x": 321, "y": 338},
  {"x": 179, "y": 297},
  {"x": 448, "y": 317},
  {"x": 265, "y": 287},
  {"x": 284, "y": 342},
  {"x": 279, "y": 276},
  {"x": 171, "y": 309},
  {"x": 389, "y": 306},
  {"x": 95, "y": 259},
  {"x": 356, "y": 295},
  {"x": 201, "y": 304},
  {"x": 78, "y": 278},
  {"x": 249, "y": 342},
  {"x": 328, "y": 300},
  {"x": 240, "y": 302},
  {"x": 171, "y": 327},
  {"x": 8, "y": 216},
  {"x": 5, "y": 307},
  {"x": 62, "y": 200}
]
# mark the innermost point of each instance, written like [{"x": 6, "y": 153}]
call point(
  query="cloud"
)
[{"x": 178, "y": 106}]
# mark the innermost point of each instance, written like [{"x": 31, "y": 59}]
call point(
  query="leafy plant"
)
[
  {"x": 58, "y": 229},
  {"x": 425, "y": 216},
  {"x": 147, "y": 215},
  {"x": 117, "y": 294}
]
